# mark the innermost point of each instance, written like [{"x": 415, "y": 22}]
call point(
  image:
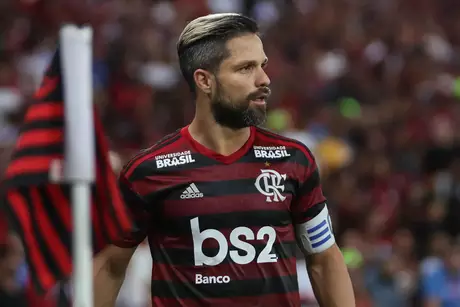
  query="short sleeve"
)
[
  {"x": 309, "y": 199},
  {"x": 137, "y": 208}
]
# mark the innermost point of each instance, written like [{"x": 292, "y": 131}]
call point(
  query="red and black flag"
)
[{"x": 38, "y": 206}]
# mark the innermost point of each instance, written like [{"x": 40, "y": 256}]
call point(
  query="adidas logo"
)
[{"x": 191, "y": 192}]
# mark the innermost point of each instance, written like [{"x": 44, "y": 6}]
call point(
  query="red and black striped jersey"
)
[{"x": 221, "y": 228}]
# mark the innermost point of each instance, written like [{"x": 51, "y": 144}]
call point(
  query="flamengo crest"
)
[{"x": 271, "y": 183}]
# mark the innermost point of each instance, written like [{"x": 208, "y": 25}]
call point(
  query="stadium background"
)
[{"x": 369, "y": 85}]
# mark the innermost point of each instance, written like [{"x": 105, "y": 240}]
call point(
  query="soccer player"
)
[{"x": 222, "y": 202}]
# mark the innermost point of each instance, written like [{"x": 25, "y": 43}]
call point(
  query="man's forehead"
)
[{"x": 248, "y": 47}]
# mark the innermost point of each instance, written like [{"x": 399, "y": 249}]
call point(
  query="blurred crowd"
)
[{"x": 370, "y": 86}]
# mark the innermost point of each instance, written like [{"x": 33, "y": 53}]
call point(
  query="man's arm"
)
[
  {"x": 327, "y": 270},
  {"x": 109, "y": 266},
  {"x": 330, "y": 279},
  {"x": 109, "y": 272},
  {"x": 325, "y": 264}
]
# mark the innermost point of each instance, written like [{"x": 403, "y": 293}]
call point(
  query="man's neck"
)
[{"x": 222, "y": 140}]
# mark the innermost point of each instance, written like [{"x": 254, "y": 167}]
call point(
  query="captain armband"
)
[{"x": 316, "y": 235}]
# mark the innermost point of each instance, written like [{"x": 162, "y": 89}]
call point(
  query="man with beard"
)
[{"x": 223, "y": 202}]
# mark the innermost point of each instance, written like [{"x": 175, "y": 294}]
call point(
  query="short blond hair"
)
[{"x": 202, "y": 43}]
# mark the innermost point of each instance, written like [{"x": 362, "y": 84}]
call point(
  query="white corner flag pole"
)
[{"x": 79, "y": 167}]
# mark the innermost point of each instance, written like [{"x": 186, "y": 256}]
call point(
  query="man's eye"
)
[{"x": 246, "y": 68}]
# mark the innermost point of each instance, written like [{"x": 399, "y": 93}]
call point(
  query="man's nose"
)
[{"x": 262, "y": 79}]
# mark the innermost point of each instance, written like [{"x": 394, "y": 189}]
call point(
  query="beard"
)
[{"x": 238, "y": 114}]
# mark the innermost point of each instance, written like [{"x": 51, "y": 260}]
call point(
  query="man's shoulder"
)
[
  {"x": 269, "y": 139},
  {"x": 166, "y": 146}
]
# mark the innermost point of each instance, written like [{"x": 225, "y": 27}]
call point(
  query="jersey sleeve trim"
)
[
  {"x": 128, "y": 244},
  {"x": 137, "y": 235},
  {"x": 312, "y": 212}
]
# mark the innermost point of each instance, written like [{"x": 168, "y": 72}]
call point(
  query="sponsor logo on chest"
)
[
  {"x": 174, "y": 159},
  {"x": 270, "y": 152}
]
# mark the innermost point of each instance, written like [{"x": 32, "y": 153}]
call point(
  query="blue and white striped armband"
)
[{"x": 316, "y": 235}]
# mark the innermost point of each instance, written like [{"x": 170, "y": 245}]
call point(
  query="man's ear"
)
[{"x": 203, "y": 80}]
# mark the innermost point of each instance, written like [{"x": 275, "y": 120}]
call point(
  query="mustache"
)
[{"x": 262, "y": 93}]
